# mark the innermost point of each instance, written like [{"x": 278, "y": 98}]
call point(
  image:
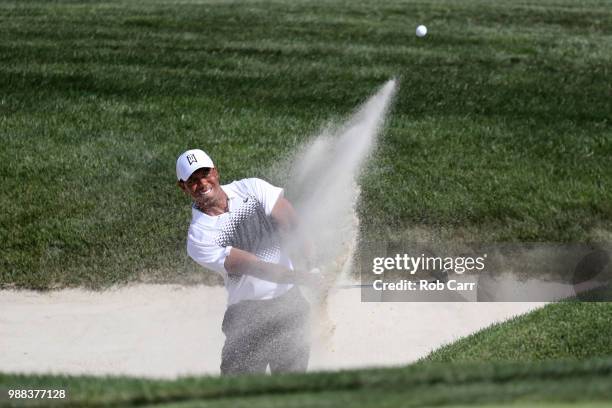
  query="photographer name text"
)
[{"x": 423, "y": 285}]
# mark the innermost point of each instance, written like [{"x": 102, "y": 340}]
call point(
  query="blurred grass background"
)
[
  {"x": 518, "y": 384},
  {"x": 500, "y": 132}
]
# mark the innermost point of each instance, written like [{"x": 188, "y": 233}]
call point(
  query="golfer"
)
[{"x": 235, "y": 231}]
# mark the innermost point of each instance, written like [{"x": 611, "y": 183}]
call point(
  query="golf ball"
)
[{"x": 421, "y": 31}]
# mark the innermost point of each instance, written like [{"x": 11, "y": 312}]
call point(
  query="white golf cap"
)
[{"x": 190, "y": 161}]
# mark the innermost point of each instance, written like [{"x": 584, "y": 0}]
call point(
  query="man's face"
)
[{"x": 203, "y": 186}]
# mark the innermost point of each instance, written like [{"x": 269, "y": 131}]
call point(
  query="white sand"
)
[{"x": 169, "y": 330}]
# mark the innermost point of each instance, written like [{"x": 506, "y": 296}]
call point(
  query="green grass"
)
[
  {"x": 566, "y": 330},
  {"x": 500, "y": 132},
  {"x": 494, "y": 384}
]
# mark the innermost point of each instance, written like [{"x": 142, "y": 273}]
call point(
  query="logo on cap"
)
[{"x": 191, "y": 159}]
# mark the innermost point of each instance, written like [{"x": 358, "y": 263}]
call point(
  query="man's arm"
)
[
  {"x": 240, "y": 262},
  {"x": 287, "y": 220},
  {"x": 284, "y": 215}
]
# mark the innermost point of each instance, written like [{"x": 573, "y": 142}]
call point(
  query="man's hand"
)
[
  {"x": 240, "y": 262},
  {"x": 314, "y": 280}
]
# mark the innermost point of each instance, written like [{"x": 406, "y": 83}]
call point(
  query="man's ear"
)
[{"x": 216, "y": 172}]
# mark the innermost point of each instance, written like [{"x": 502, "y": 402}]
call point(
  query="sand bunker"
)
[{"x": 167, "y": 331}]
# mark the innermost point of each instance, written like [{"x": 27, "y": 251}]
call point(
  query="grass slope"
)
[
  {"x": 501, "y": 129},
  {"x": 552, "y": 382},
  {"x": 566, "y": 330}
]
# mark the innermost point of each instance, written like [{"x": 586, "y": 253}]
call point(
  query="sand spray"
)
[{"x": 322, "y": 185}]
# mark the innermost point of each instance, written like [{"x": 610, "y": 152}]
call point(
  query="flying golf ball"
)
[{"x": 421, "y": 31}]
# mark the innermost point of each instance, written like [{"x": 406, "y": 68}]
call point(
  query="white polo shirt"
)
[{"x": 246, "y": 226}]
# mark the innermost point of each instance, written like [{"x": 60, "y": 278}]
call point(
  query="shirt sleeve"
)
[
  {"x": 209, "y": 255},
  {"x": 266, "y": 193}
]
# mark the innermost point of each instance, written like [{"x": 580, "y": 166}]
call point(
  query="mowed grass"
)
[
  {"x": 500, "y": 132},
  {"x": 566, "y": 330},
  {"x": 548, "y": 384}
]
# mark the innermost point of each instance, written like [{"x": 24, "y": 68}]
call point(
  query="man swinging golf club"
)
[{"x": 235, "y": 231}]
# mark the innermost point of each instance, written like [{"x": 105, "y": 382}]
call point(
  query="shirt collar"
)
[
  {"x": 201, "y": 217},
  {"x": 231, "y": 194}
]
